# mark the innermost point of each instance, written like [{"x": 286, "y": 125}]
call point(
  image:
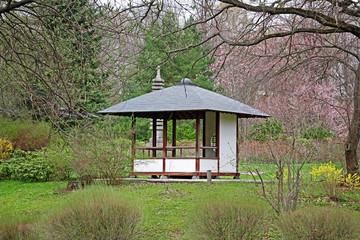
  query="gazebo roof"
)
[{"x": 186, "y": 100}]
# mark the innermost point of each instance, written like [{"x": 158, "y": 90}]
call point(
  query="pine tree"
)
[{"x": 160, "y": 39}]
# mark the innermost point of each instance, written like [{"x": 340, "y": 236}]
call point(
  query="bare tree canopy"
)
[{"x": 334, "y": 27}]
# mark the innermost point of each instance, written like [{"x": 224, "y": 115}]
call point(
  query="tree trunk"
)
[{"x": 352, "y": 140}]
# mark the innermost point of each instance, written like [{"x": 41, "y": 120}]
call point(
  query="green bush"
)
[
  {"x": 227, "y": 219},
  {"x": 317, "y": 133},
  {"x": 268, "y": 130},
  {"x": 27, "y": 166},
  {"x": 57, "y": 154},
  {"x": 320, "y": 223},
  {"x": 97, "y": 212}
]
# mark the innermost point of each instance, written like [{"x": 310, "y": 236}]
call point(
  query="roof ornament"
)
[
  {"x": 185, "y": 81},
  {"x": 157, "y": 82}
]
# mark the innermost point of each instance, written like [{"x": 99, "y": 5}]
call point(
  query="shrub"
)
[
  {"x": 6, "y": 147},
  {"x": 329, "y": 177},
  {"x": 319, "y": 223},
  {"x": 351, "y": 181},
  {"x": 25, "y": 134},
  {"x": 228, "y": 220},
  {"x": 100, "y": 154},
  {"x": 94, "y": 213},
  {"x": 270, "y": 129},
  {"x": 27, "y": 166},
  {"x": 317, "y": 133}
]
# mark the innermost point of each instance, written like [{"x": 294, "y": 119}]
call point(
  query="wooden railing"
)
[{"x": 182, "y": 152}]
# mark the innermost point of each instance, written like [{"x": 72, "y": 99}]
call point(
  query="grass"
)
[
  {"x": 166, "y": 207},
  {"x": 28, "y": 199}
]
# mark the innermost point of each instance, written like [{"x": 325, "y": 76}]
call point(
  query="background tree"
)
[
  {"x": 51, "y": 58},
  {"x": 160, "y": 37}
]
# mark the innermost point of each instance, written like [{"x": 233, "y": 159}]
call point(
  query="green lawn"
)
[{"x": 166, "y": 207}]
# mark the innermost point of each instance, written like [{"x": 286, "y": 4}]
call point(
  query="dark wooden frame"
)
[{"x": 173, "y": 146}]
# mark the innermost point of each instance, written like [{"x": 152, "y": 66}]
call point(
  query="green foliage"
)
[
  {"x": 185, "y": 130},
  {"x": 25, "y": 134},
  {"x": 317, "y": 133},
  {"x": 72, "y": 23},
  {"x": 120, "y": 126},
  {"x": 94, "y": 213},
  {"x": 268, "y": 130},
  {"x": 229, "y": 219},
  {"x": 143, "y": 132},
  {"x": 58, "y": 155},
  {"x": 175, "y": 66},
  {"x": 320, "y": 223},
  {"x": 27, "y": 166}
]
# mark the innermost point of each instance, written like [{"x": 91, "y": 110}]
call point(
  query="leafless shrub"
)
[
  {"x": 100, "y": 154},
  {"x": 283, "y": 193}
]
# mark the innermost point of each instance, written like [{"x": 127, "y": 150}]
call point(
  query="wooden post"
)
[
  {"x": 197, "y": 146},
  {"x": 154, "y": 135},
  {"x": 208, "y": 177},
  {"x": 217, "y": 123},
  {"x": 237, "y": 145},
  {"x": 174, "y": 137},
  {"x": 203, "y": 136},
  {"x": 164, "y": 142},
  {"x": 133, "y": 140}
]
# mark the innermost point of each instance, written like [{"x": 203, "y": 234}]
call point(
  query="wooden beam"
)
[
  {"x": 174, "y": 136},
  {"x": 203, "y": 135},
  {"x": 217, "y": 123},
  {"x": 154, "y": 135},
  {"x": 164, "y": 142},
  {"x": 237, "y": 143},
  {"x": 197, "y": 145},
  {"x": 133, "y": 140}
]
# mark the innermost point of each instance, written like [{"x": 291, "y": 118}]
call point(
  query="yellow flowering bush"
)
[
  {"x": 329, "y": 176},
  {"x": 327, "y": 172},
  {"x": 6, "y": 147},
  {"x": 351, "y": 181}
]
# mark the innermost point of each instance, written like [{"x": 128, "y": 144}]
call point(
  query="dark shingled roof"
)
[{"x": 184, "y": 101}]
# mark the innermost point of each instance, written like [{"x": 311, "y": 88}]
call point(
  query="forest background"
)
[{"x": 61, "y": 61}]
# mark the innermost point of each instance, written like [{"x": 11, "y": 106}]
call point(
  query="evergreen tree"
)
[
  {"x": 160, "y": 39},
  {"x": 80, "y": 45}
]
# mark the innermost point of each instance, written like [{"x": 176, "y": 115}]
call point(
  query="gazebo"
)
[{"x": 216, "y": 119}]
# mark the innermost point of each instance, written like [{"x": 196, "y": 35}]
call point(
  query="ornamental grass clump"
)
[
  {"x": 328, "y": 223},
  {"x": 12, "y": 231},
  {"x": 228, "y": 219},
  {"x": 98, "y": 212}
]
